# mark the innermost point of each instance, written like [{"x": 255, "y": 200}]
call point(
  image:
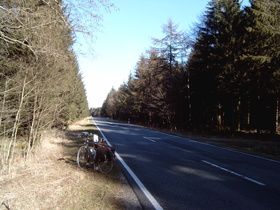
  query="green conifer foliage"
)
[{"x": 41, "y": 87}]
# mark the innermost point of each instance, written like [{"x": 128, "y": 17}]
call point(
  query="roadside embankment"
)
[{"x": 50, "y": 178}]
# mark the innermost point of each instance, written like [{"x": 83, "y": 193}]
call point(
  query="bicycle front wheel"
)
[
  {"x": 106, "y": 166},
  {"x": 83, "y": 157}
]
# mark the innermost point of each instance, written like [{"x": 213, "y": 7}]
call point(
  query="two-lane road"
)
[{"x": 184, "y": 174}]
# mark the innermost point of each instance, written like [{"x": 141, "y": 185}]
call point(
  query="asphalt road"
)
[{"x": 182, "y": 173}]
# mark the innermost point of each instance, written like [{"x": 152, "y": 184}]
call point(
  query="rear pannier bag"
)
[{"x": 102, "y": 153}]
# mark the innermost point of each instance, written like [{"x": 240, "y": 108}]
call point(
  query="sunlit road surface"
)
[{"x": 170, "y": 172}]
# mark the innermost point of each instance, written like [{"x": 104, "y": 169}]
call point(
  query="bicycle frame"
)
[{"x": 87, "y": 156}]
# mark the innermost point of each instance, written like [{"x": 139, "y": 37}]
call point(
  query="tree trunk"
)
[
  {"x": 12, "y": 144},
  {"x": 32, "y": 126},
  {"x": 248, "y": 117},
  {"x": 3, "y": 102},
  {"x": 277, "y": 117},
  {"x": 238, "y": 114},
  {"x": 219, "y": 117}
]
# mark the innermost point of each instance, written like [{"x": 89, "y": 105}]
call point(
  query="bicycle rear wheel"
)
[
  {"x": 83, "y": 157},
  {"x": 106, "y": 166}
]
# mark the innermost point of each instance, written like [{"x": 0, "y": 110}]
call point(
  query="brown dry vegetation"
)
[
  {"x": 264, "y": 145},
  {"x": 50, "y": 179},
  {"x": 264, "y": 148}
]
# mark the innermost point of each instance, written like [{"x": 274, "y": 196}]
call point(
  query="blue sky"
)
[{"x": 126, "y": 34}]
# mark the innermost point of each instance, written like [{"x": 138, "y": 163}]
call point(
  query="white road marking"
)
[
  {"x": 234, "y": 173},
  {"x": 140, "y": 184},
  {"x": 132, "y": 174},
  {"x": 223, "y": 148},
  {"x": 151, "y": 138}
]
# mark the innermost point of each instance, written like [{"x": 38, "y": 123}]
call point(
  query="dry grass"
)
[
  {"x": 50, "y": 179},
  {"x": 264, "y": 145},
  {"x": 267, "y": 148}
]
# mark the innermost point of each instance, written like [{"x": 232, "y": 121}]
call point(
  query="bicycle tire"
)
[
  {"x": 106, "y": 166},
  {"x": 83, "y": 157}
]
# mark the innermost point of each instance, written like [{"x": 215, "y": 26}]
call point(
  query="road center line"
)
[
  {"x": 150, "y": 138},
  {"x": 234, "y": 173},
  {"x": 149, "y": 196}
]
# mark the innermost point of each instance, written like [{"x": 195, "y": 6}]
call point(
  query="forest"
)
[
  {"x": 222, "y": 77},
  {"x": 41, "y": 87}
]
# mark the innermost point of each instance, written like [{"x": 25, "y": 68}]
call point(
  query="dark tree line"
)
[
  {"x": 224, "y": 79},
  {"x": 40, "y": 83}
]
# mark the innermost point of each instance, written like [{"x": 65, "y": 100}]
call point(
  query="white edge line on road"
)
[
  {"x": 234, "y": 173},
  {"x": 132, "y": 174}
]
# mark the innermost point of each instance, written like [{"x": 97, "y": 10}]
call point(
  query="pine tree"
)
[
  {"x": 262, "y": 59},
  {"x": 226, "y": 56},
  {"x": 202, "y": 74},
  {"x": 109, "y": 105},
  {"x": 173, "y": 46},
  {"x": 41, "y": 84},
  {"x": 174, "y": 49},
  {"x": 213, "y": 63},
  {"x": 150, "y": 89}
]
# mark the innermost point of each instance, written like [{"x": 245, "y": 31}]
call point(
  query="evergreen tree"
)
[
  {"x": 41, "y": 86},
  {"x": 174, "y": 49},
  {"x": 124, "y": 107},
  {"x": 109, "y": 105},
  {"x": 226, "y": 56},
  {"x": 150, "y": 80},
  {"x": 213, "y": 63},
  {"x": 262, "y": 59},
  {"x": 202, "y": 74}
]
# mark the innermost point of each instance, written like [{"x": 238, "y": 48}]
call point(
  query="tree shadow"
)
[{"x": 70, "y": 148}]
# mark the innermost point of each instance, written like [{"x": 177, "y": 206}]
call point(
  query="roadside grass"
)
[
  {"x": 268, "y": 149},
  {"x": 267, "y": 146},
  {"x": 50, "y": 178},
  {"x": 259, "y": 144}
]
